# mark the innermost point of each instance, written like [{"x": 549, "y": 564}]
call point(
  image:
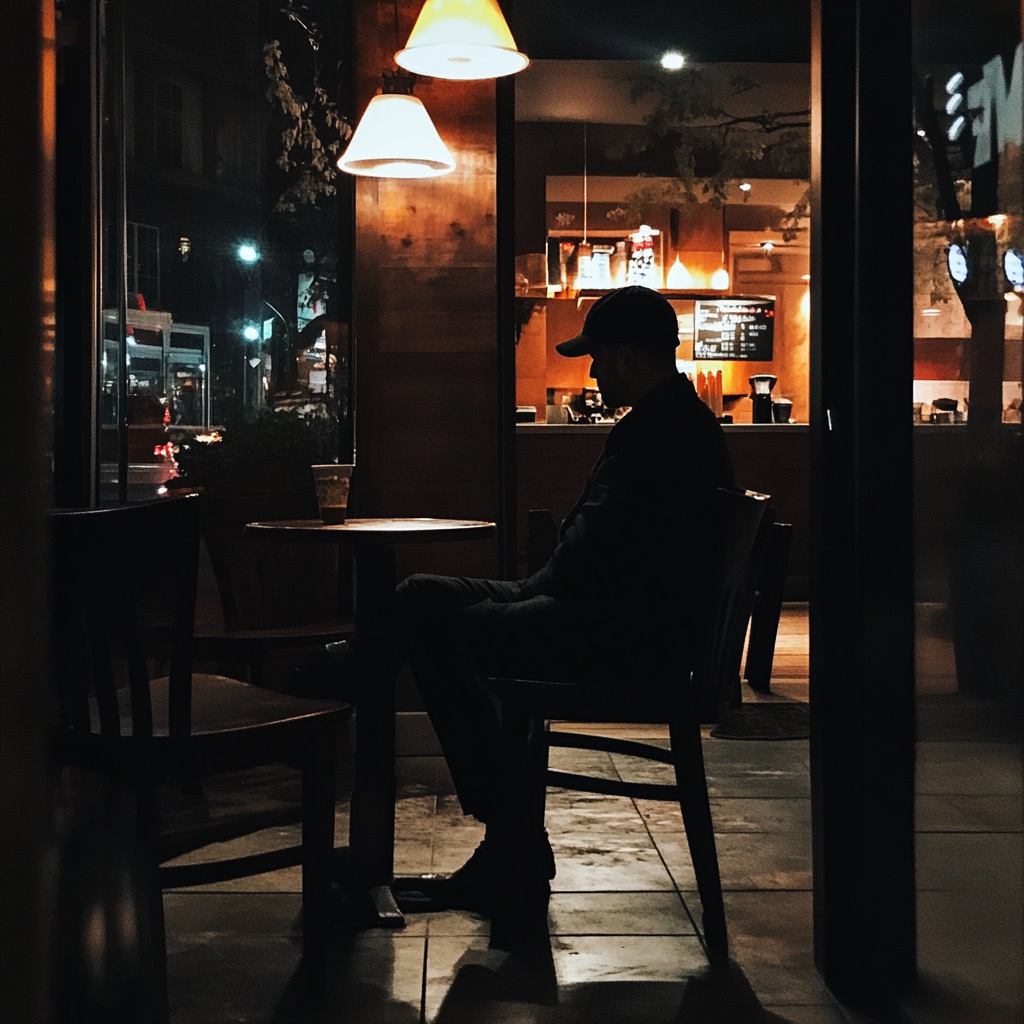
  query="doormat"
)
[{"x": 776, "y": 720}]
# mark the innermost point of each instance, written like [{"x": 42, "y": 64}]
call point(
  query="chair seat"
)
[
  {"x": 222, "y": 705},
  {"x": 208, "y": 646}
]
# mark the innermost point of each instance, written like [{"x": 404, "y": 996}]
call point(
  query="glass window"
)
[
  {"x": 968, "y": 240},
  {"x": 144, "y": 263},
  {"x": 630, "y": 174},
  {"x": 168, "y": 132},
  {"x": 225, "y": 316}
]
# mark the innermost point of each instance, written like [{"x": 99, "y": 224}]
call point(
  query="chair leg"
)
[
  {"x": 521, "y": 914},
  {"x": 695, "y": 806},
  {"x": 318, "y": 794},
  {"x": 146, "y": 833}
]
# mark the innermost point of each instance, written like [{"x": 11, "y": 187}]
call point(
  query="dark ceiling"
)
[
  {"x": 945, "y": 31},
  {"x": 706, "y": 30}
]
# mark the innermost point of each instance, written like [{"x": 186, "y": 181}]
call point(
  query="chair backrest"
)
[
  {"x": 744, "y": 520},
  {"x": 124, "y": 597},
  {"x": 266, "y": 584}
]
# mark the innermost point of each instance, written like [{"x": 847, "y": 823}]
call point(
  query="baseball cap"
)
[{"x": 633, "y": 315}]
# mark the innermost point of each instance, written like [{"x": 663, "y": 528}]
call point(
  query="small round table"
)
[{"x": 372, "y": 819}]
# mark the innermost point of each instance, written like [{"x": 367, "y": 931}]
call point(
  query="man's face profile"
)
[{"x": 604, "y": 368}]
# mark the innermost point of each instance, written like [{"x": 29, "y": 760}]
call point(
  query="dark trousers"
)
[{"x": 452, "y": 630}]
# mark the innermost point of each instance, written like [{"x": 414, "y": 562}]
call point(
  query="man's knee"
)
[{"x": 422, "y": 593}]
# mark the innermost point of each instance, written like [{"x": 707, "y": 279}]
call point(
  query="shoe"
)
[{"x": 474, "y": 887}]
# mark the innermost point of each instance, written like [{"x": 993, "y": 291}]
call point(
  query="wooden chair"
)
[
  {"x": 280, "y": 602},
  {"x": 130, "y": 707},
  {"x": 528, "y": 705}
]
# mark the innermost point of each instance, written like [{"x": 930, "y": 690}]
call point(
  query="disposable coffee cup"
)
[
  {"x": 781, "y": 410},
  {"x": 332, "y": 487}
]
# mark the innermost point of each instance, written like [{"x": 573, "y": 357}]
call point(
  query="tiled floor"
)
[
  {"x": 623, "y": 920},
  {"x": 970, "y": 853}
]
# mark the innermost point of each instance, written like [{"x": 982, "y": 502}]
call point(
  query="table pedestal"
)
[{"x": 372, "y": 817}]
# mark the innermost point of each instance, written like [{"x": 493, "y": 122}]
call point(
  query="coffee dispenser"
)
[{"x": 761, "y": 397}]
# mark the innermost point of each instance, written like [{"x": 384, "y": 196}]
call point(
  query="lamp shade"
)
[
  {"x": 720, "y": 280},
  {"x": 396, "y": 139},
  {"x": 678, "y": 277},
  {"x": 462, "y": 40}
]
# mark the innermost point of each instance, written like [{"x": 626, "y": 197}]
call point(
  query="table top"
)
[{"x": 385, "y": 530}]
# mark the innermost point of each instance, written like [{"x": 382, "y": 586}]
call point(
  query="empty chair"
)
[
  {"x": 279, "y": 601},
  {"x": 130, "y": 707}
]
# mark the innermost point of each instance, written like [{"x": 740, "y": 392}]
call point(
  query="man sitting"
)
[{"x": 620, "y": 601}]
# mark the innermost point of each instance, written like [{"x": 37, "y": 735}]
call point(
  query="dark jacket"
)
[{"x": 635, "y": 549}]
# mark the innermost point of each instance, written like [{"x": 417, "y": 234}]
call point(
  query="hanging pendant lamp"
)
[
  {"x": 462, "y": 40},
  {"x": 678, "y": 277},
  {"x": 395, "y": 137},
  {"x": 720, "y": 278}
]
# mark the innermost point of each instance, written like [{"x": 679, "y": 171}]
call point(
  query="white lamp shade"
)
[
  {"x": 462, "y": 40},
  {"x": 396, "y": 139},
  {"x": 720, "y": 280}
]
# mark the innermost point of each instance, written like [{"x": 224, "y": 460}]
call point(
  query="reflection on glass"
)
[
  {"x": 969, "y": 215},
  {"x": 616, "y": 185},
  {"x": 234, "y": 309}
]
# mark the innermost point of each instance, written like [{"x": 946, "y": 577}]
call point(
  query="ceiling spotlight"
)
[
  {"x": 745, "y": 186},
  {"x": 248, "y": 253},
  {"x": 673, "y": 60},
  {"x": 767, "y": 246}
]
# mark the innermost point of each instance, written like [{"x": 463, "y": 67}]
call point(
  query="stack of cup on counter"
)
[{"x": 709, "y": 390}]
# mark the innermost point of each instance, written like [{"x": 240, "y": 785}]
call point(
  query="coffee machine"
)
[{"x": 761, "y": 397}]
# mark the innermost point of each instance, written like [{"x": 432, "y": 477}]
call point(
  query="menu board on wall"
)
[{"x": 734, "y": 329}]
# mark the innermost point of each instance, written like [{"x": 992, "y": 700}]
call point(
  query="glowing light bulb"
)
[
  {"x": 672, "y": 60},
  {"x": 720, "y": 280},
  {"x": 678, "y": 277}
]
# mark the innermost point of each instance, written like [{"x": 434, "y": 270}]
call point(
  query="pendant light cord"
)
[{"x": 584, "y": 182}]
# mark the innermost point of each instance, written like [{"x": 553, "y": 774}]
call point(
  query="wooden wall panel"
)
[{"x": 426, "y": 316}]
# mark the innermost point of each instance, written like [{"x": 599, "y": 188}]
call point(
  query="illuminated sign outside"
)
[
  {"x": 996, "y": 107},
  {"x": 1013, "y": 267},
  {"x": 734, "y": 329},
  {"x": 956, "y": 259}
]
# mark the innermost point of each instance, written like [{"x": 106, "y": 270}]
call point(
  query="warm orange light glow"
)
[
  {"x": 462, "y": 40},
  {"x": 720, "y": 280}
]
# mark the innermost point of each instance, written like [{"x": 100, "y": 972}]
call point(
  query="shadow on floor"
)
[{"x": 523, "y": 990}]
